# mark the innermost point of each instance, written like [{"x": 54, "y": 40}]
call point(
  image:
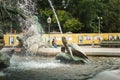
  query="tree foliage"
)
[
  {"x": 87, "y": 12},
  {"x": 74, "y": 15},
  {"x": 73, "y": 25}
]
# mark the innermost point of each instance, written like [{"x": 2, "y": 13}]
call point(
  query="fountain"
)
[
  {"x": 27, "y": 67},
  {"x": 32, "y": 38},
  {"x": 30, "y": 42}
]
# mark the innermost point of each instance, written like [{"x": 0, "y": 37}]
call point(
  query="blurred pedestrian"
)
[{"x": 54, "y": 43}]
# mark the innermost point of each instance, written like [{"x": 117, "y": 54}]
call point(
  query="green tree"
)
[
  {"x": 112, "y": 16},
  {"x": 73, "y": 25},
  {"x": 63, "y": 16},
  {"x": 85, "y": 11}
]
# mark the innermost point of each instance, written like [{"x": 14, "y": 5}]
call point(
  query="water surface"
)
[{"x": 47, "y": 68}]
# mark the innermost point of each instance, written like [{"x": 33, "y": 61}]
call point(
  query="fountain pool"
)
[{"x": 41, "y": 68}]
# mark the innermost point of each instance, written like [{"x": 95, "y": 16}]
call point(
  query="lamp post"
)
[
  {"x": 49, "y": 22},
  {"x": 99, "y": 22}
]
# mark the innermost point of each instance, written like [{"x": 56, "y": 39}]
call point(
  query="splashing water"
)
[
  {"x": 34, "y": 29},
  {"x": 31, "y": 27},
  {"x": 27, "y": 6},
  {"x": 30, "y": 62},
  {"x": 31, "y": 23},
  {"x": 32, "y": 38}
]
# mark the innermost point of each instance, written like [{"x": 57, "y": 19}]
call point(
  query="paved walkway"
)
[{"x": 98, "y": 51}]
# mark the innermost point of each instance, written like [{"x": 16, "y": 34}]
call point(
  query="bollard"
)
[{"x": 92, "y": 44}]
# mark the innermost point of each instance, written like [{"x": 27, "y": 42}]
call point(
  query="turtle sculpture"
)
[{"x": 71, "y": 53}]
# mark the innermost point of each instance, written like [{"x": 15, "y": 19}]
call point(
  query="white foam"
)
[
  {"x": 37, "y": 65},
  {"x": 18, "y": 62}
]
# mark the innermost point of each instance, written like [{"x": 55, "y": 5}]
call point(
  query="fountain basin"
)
[{"x": 48, "y": 51}]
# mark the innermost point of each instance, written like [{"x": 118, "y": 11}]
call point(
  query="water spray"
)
[{"x": 55, "y": 16}]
